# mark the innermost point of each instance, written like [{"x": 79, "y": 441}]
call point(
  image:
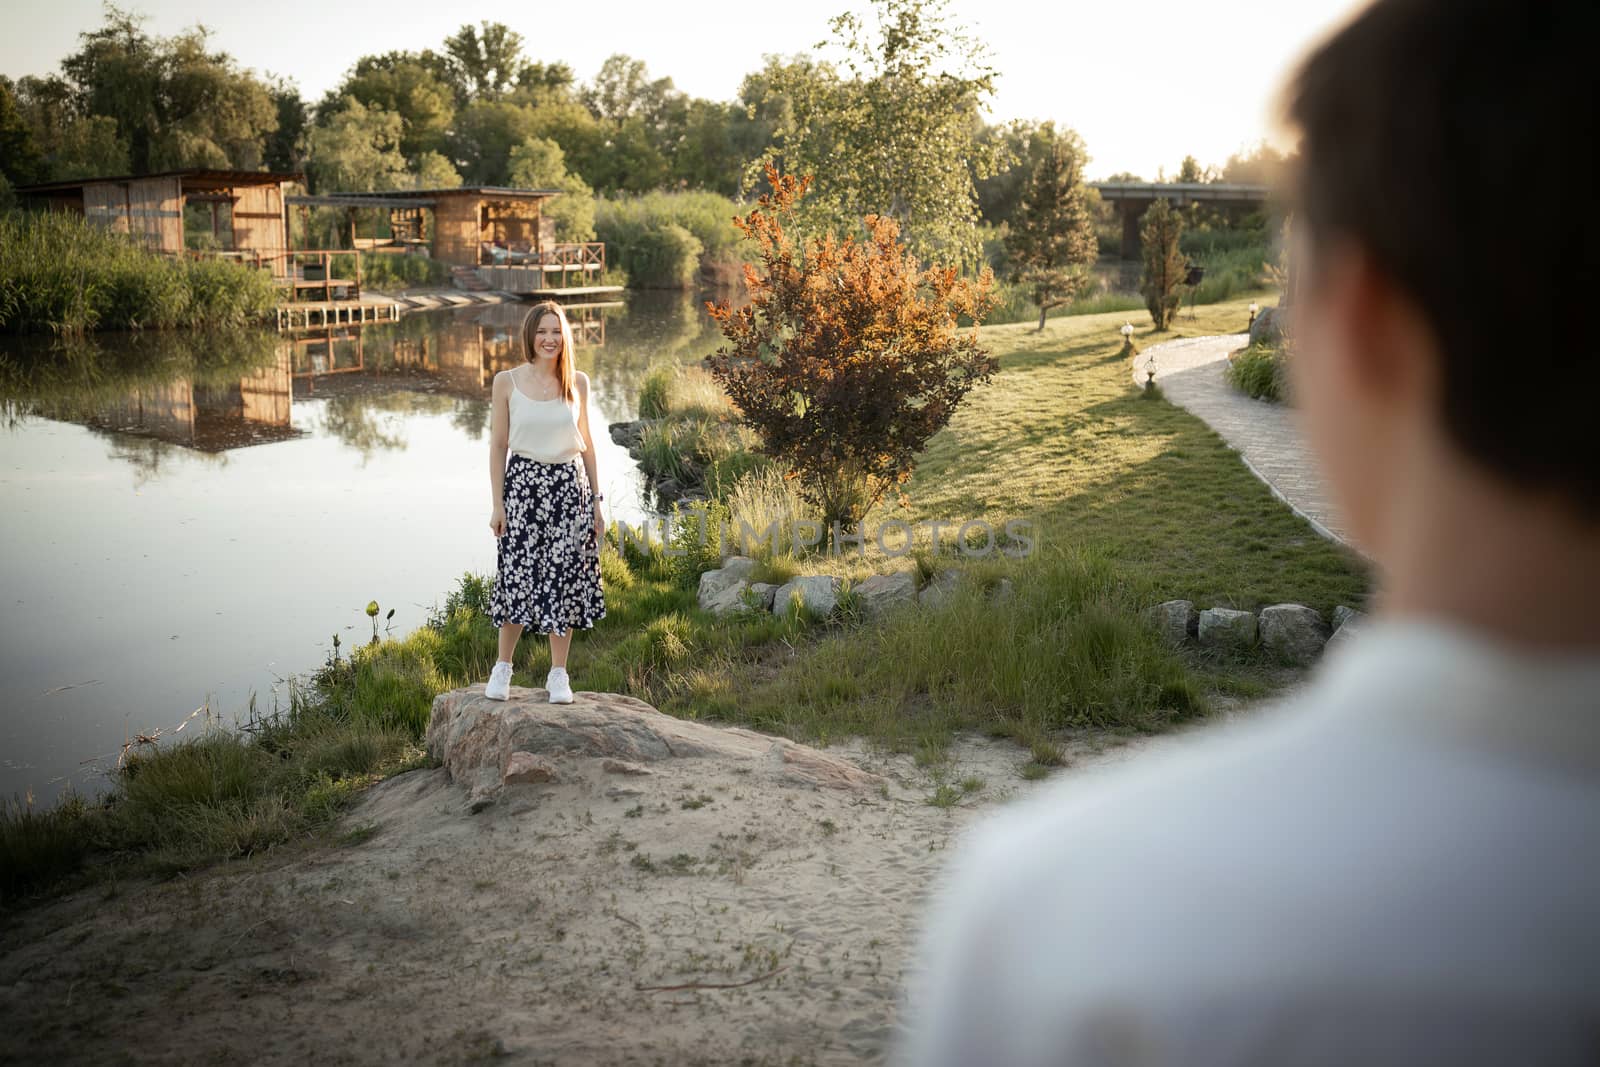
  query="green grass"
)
[
  {"x": 60, "y": 273},
  {"x": 1133, "y": 501},
  {"x": 218, "y": 794}
]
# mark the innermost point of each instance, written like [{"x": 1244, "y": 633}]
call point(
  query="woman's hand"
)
[
  {"x": 497, "y": 520},
  {"x": 599, "y": 526}
]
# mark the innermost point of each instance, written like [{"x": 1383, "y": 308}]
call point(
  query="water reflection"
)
[{"x": 189, "y": 517}]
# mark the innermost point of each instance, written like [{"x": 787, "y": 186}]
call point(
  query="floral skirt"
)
[{"x": 548, "y": 575}]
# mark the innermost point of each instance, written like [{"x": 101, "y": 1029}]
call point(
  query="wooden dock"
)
[
  {"x": 309, "y": 314},
  {"x": 533, "y": 281}
]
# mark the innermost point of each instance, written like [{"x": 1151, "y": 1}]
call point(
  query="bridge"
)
[{"x": 1132, "y": 198}]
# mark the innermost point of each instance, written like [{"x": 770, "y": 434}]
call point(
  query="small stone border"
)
[
  {"x": 728, "y": 590},
  {"x": 1294, "y": 631}
]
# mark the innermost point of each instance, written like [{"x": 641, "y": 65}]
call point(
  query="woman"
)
[{"x": 546, "y": 515}]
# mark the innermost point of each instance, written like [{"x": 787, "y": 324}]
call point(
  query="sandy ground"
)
[{"x": 587, "y": 922}]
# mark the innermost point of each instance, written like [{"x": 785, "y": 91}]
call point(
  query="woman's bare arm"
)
[
  {"x": 590, "y": 462},
  {"x": 499, "y": 438}
]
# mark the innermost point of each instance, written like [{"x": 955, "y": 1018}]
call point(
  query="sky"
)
[{"x": 1144, "y": 82}]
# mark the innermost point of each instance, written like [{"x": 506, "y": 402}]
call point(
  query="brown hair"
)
[
  {"x": 1439, "y": 135},
  {"x": 564, "y": 369}
]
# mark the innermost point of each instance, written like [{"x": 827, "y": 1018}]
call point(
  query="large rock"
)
[
  {"x": 722, "y": 590},
  {"x": 1343, "y": 614},
  {"x": 627, "y": 434},
  {"x": 764, "y": 592},
  {"x": 1175, "y": 620},
  {"x": 1226, "y": 628},
  {"x": 486, "y": 744},
  {"x": 881, "y": 592},
  {"x": 940, "y": 587},
  {"x": 1294, "y": 631},
  {"x": 1270, "y": 326},
  {"x": 1347, "y": 622},
  {"x": 819, "y": 592}
]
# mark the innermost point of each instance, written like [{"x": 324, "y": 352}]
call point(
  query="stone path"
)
[{"x": 1190, "y": 373}]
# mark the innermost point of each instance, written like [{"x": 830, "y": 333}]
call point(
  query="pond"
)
[{"x": 188, "y": 519}]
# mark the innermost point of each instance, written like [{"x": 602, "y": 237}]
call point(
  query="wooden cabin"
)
[
  {"x": 495, "y": 236},
  {"x": 473, "y": 225},
  {"x": 151, "y": 207}
]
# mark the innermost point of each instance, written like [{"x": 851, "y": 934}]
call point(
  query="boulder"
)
[
  {"x": 1270, "y": 326},
  {"x": 764, "y": 593},
  {"x": 1294, "y": 631},
  {"x": 1347, "y": 622},
  {"x": 722, "y": 590},
  {"x": 940, "y": 587},
  {"x": 626, "y": 434},
  {"x": 1002, "y": 591},
  {"x": 1226, "y": 628},
  {"x": 486, "y": 744},
  {"x": 1343, "y": 614},
  {"x": 881, "y": 592},
  {"x": 1175, "y": 620},
  {"x": 819, "y": 592}
]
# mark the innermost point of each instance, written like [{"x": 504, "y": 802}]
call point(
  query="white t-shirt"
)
[{"x": 1398, "y": 865}]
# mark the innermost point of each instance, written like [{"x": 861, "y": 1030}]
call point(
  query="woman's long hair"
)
[{"x": 564, "y": 370}]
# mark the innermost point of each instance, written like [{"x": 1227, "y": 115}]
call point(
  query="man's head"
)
[{"x": 1446, "y": 245}]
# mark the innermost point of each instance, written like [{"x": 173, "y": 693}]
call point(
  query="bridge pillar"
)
[{"x": 1132, "y": 211}]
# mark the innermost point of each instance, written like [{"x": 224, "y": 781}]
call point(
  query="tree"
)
[
  {"x": 20, "y": 160},
  {"x": 358, "y": 149},
  {"x": 432, "y": 170},
  {"x": 896, "y": 136},
  {"x": 485, "y": 133},
  {"x": 847, "y": 357},
  {"x": 484, "y": 62},
  {"x": 415, "y": 87},
  {"x": 1165, "y": 266},
  {"x": 1053, "y": 240},
  {"x": 1264, "y": 165},
  {"x": 285, "y": 148},
  {"x": 539, "y": 163},
  {"x": 174, "y": 102}
]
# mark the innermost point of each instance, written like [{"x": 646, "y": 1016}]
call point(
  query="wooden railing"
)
[
  {"x": 309, "y": 269},
  {"x": 584, "y": 256}
]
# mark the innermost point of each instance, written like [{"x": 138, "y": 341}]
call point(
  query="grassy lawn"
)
[
  {"x": 1134, "y": 501},
  {"x": 1061, "y": 437}
]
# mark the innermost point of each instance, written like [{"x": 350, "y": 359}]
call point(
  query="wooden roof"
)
[{"x": 197, "y": 180}]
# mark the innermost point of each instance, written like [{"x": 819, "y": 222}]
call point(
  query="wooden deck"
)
[{"x": 531, "y": 281}]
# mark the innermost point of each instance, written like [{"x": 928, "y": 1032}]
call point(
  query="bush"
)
[
  {"x": 61, "y": 273},
  {"x": 665, "y": 257},
  {"x": 897, "y": 366},
  {"x": 1260, "y": 372},
  {"x": 632, "y": 228}
]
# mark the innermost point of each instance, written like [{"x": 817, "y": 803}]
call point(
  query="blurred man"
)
[{"x": 1401, "y": 863}]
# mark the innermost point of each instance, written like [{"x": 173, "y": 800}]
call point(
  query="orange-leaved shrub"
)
[{"x": 848, "y": 357}]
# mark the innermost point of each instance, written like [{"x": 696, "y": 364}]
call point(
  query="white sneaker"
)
[
  {"x": 499, "y": 687},
  {"x": 560, "y": 691}
]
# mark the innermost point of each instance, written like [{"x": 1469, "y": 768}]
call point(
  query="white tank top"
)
[{"x": 544, "y": 430}]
